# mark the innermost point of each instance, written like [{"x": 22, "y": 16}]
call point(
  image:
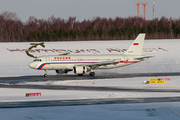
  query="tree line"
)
[{"x": 13, "y": 29}]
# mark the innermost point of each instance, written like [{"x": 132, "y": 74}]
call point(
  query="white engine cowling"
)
[{"x": 80, "y": 69}]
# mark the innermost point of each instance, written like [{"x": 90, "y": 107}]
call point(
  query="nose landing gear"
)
[{"x": 45, "y": 75}]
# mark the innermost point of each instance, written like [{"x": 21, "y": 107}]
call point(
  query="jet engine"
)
[{"x": 80, "y": 69}]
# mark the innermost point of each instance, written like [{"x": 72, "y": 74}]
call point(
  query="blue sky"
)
[{"x": 88, "y": 9}]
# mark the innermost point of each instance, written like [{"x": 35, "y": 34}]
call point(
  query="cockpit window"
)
[{"x": 37, "y": 60}]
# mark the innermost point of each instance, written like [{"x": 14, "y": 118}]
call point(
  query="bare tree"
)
[{"x": 9, "y": 15}]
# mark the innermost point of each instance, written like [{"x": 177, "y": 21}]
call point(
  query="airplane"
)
[{"x": 81, "y": 64}]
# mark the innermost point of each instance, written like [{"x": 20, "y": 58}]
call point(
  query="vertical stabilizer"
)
[{"x": 137, "y": 45}]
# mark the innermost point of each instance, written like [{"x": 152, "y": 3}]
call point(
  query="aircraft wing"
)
[{"x": 98, "y": 64}]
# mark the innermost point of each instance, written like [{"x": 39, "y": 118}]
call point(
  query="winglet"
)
[{"x": 137, "y": 45}]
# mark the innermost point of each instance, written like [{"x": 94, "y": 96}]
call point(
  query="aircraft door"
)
[{"x": 47, "y": 59}]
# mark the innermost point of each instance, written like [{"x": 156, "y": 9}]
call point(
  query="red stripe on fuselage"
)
[{"x": 42, "y": 65}]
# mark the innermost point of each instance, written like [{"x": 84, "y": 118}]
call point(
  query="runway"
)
[
  {"x": 13, "y": 80},
  {"x": 89, "y": 88},
  {"x": 86, "y": 102}
]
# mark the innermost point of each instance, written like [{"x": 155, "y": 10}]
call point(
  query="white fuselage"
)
[{"x": 69, "y": 61}]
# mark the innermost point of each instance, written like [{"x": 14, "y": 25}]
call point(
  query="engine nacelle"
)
[
  {"x": 80, "y": 69},
  {"x": 61, "y": 71}
]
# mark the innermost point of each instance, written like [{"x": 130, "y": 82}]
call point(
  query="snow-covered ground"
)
[
  {"x": 137, "y": 82},
  {"x": 135, "y": 111},
  {"x": 14, "y": 95},
  {"x": 14, "y": 60},
  {"x": 18, "y": 95},
  {"x": 145, "y": 111}
]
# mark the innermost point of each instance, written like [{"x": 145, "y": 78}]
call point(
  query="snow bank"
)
[{"x": 137, "y": 82}]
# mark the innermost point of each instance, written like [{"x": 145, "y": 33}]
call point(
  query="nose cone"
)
[{"x": 33, "y": 65}]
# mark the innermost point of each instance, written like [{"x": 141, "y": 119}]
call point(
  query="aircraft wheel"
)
[
  {"x": 80, "y": 74},
  {"x": 92, "y": 73},
  {"x": 45, "y": 75}
]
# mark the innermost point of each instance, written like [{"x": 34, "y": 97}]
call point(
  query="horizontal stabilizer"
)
[{"x": 143, "y": 58}]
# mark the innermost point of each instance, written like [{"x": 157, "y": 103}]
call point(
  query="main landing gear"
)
[
  {"x": 92, "y": 73},
  {"x": 45, "y": 75},
  {"x": 80, "y": 74}
]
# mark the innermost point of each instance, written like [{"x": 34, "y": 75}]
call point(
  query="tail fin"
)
[{"x": 137, "y": 46}]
